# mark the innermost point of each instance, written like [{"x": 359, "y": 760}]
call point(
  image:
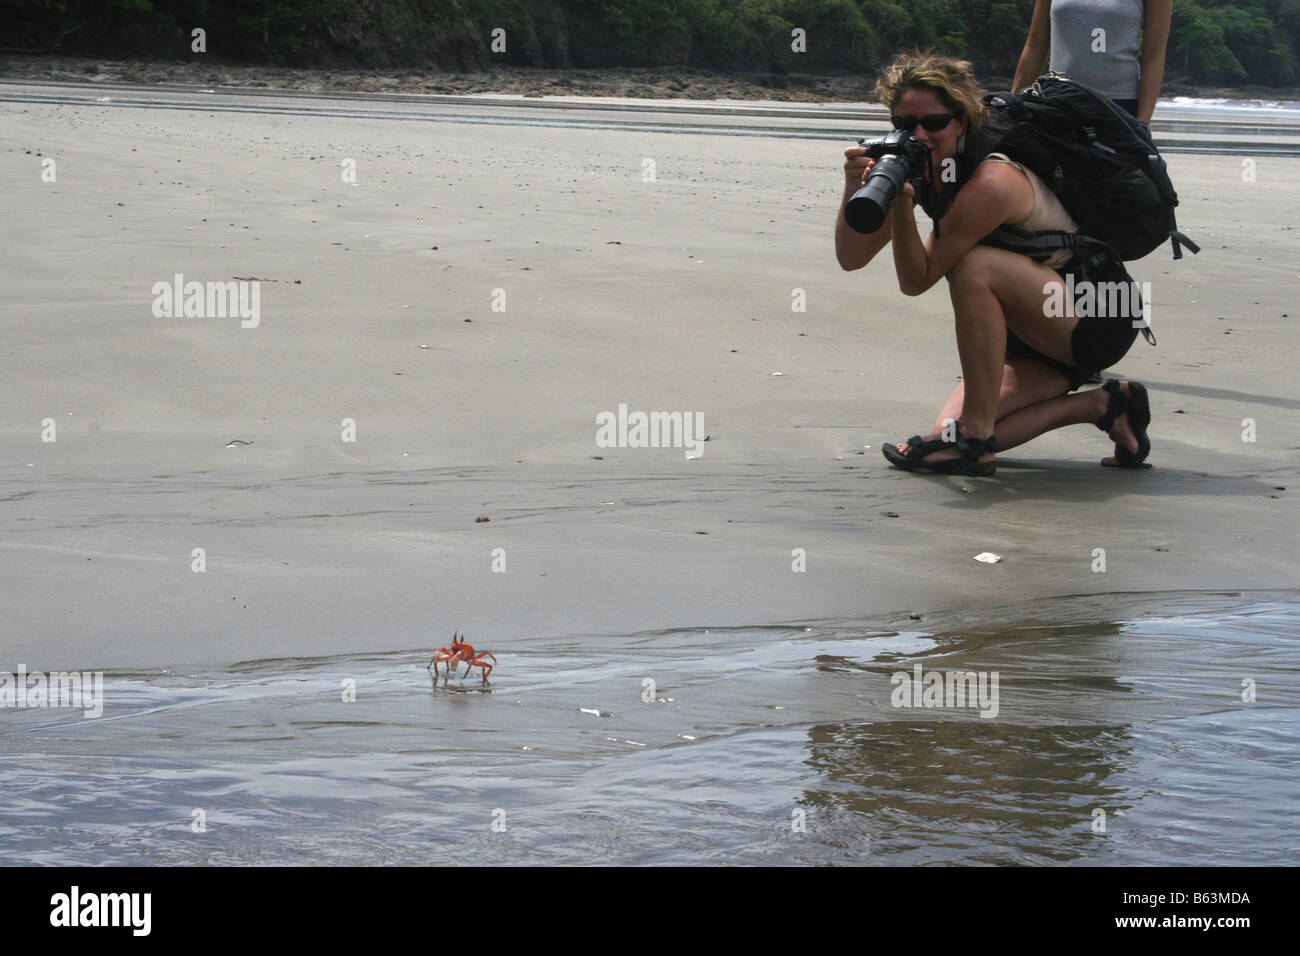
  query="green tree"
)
[{"x": 1197, "y": 44}]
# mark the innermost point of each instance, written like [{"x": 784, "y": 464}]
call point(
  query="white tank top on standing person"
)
[{"x": 1109, "y": 61}]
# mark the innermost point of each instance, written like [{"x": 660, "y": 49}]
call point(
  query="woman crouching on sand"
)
[{"x": 1020, "y": 361}]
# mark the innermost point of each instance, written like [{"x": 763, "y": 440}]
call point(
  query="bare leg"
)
[
  {"x": 1032, "y": 421},
  {"x": 1078, "y": 409},
  {"x": 993, "y": 290},
  {"x": 1025, "y": 381},
  {"x": 1026, "y": 419}
]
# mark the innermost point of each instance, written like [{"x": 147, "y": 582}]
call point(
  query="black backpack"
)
[{"x": 1099, "y": 161}]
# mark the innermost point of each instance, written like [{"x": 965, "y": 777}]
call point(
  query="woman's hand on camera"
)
[
  {"x": 853, "y": 249},
  {"x": 857, "y": 166}
]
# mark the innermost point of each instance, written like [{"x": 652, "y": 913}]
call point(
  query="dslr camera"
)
[{"x": 899, "y": 156}]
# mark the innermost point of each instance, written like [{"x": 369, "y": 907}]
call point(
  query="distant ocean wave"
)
[{"x": 1288, "y": 108}]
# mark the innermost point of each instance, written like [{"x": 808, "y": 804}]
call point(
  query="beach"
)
[
  {"x": 446, "y": 310},
  {"x": 672, "y": 295}
]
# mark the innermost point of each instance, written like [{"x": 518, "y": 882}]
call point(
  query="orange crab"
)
[{"x": 461, "y": 651}]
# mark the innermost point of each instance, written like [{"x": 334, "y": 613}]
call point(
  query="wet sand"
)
[
  {"x": 671, "y": 295},
  {"x": 752, "y": 746}
]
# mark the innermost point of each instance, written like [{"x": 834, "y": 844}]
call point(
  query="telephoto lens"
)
[{"x": 867, "y": 208}]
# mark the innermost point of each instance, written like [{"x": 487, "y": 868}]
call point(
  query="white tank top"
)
[{"x": 1046, "y": 212}]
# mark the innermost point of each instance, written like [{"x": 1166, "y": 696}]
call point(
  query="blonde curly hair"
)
[{"x": 950, "y": 79}]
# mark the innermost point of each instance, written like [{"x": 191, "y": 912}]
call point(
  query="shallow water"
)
[
  {"x": 1289, "y": 108},
  {"x": 764, "y": 745}
]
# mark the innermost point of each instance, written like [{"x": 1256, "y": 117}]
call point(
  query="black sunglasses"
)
[{"x": 931, "y": 124}]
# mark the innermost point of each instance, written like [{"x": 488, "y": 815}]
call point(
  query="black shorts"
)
[{"x": 1098, "y": 341}]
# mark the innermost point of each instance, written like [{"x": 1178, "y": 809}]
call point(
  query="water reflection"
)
[
  {"x": 971, "y": 789},
  {"x": 1132, "y": 705}
]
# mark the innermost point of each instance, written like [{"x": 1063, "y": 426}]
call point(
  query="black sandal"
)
[
  {"x": 1138, "y": 406},
  {"x": 968, "y": 463}
]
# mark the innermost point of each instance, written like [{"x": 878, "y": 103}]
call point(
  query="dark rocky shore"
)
[{"x": 659, "y": 83}]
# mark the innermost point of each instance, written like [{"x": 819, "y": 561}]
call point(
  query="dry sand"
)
[{"x": 670, "y": 295}]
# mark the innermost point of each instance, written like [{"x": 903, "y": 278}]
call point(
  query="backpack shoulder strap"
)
[{"x": 1042, "y": 245}]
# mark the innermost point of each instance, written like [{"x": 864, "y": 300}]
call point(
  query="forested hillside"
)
[{"x": 1217, "y": 41}]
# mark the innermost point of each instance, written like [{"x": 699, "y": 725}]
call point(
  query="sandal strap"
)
[
  {"x": 918, "y": 447},
  {"x": 974, "y": 448},
  {"x": 1118, "y": 405}
]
